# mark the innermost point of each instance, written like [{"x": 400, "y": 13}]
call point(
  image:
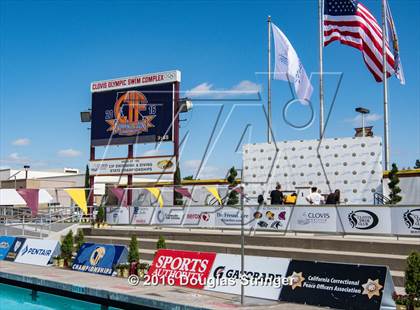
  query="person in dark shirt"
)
[
  {"x": 276, "y": 196},
  {"x": 333, "y": 198}
]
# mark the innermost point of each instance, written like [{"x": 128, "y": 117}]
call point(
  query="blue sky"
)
[{"x": 52, "y": 51}]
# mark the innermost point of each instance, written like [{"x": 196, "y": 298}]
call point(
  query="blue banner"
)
[
  {"x": 99, "y": 258},
  {"x": 6, "y": 243},
  {"x": 15, "y": 249}
]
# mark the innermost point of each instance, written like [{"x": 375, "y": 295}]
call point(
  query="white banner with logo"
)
[
  {"x": 145, "y": 165},
  {"x": 271, "y": 218},
  {"x": 405, "y": 220},
  {"x": 366, "y": 220},
  {"x": 314, "y": 219},
  {"x": 141, "y": 215},
  {"x": 117, "y": 215},
  {"x": 37, "y": 252},
  {"x": 200, "y": 216},
  {"x": 230, "y": 217},
  {"x": 265, "y": 275},
  {"x": 168, "y": 216}
]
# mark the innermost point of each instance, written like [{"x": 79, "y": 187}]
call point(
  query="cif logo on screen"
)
[
  {"x": 97, "y": 255},
  {"x": 131, "y": 115}
]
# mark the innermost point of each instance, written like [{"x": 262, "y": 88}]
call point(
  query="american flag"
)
[{"x": 351, "y": 23}]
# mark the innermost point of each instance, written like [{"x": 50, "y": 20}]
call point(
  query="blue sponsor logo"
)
[{"x": 35, "y": 251}]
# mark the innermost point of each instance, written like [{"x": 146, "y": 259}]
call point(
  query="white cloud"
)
[
  {"x": 206, "y": 89},
  {"x": 15, "y": 158},
  {"x": 21, "y": 142},
  {"x": 369, "y": 118},
  {"x": 207, "y": 172},
  {"x": 69, "y": 153}
]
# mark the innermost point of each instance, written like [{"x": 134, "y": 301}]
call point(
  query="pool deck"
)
[{"x": 118, "y": 289}]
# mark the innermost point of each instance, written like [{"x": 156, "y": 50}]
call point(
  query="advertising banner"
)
[
  {"x": 145, "y": 165},
  {"x": 264, "y": 276},
  {"x": 141, "y": 215},
  {"x": 129, "y": 115},
  {"x": 365, "y": 220},
  {"x": 271, "y": 218},
  {"x": 168, "y": 216},
  {"x": 38, "y": 252},
  {"x": 200, "y": 216},
  {"x": 338, "y": 285},
  {"x": 405, "y": 220},
  {"x": 230, "y": 217},
  {"x": 317, "y": 219},
  {"x": 181, "y": 268},
  {"x": 117, "y": 215},
  {"x": 14, "y": 249},
  {"x": 6, "y": 242},
  {"x": 99, "y": 258}
]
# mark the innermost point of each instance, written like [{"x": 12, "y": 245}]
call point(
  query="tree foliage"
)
[
  {"x": 177, "y": 182},
  {"x": 412, "y": 275},
  {"x": 233, "y": 198},
  {"x": 417, "y": 165},
  {"x": 67, "y": 247},
  {"x": 161, "y": 243},
  {"x": 79, "y": 239},
  {"x": 393, "y": 185},
  {"x": 133, "y": 250}
]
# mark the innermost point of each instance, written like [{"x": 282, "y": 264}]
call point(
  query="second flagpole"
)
[
  {"x": 269, "y": 138},
  {"x": 321, "y": 69}
]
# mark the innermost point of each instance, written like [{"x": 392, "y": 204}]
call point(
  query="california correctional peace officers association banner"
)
[
  {"x": 99, "y": 258},
  {"x": 6, "y": 243},
  {"x": 38, "y": 252},
  {"x": 339, "y": 286},
  {"x": 264, "y": 275}
]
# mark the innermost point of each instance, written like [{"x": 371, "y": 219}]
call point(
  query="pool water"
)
[{"x": 13, "y": 297}]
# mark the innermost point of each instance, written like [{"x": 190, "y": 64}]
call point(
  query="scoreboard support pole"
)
[
  {"x": 130, "y": 178},
  {"x": 176, "y": 132},
  {"x": 91, "y": 195}
]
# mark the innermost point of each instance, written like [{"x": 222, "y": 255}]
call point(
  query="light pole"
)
[
  {"x": 26, "y": 167},
  {"x": 362, "y": 111}
]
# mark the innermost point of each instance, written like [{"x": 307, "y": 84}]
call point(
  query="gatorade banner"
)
[
  {"x": 99, "y": 258},
  {"x": 6, "y": 243},
  {"x": 14, "y": 249},
  {"x": 37, "y": 252},
  {"x": 338, "y": 286}
]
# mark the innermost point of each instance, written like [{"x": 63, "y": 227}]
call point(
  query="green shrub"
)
[
  {"x": 100, "y": 216},
  {"x": 79, "y": 239},
  {"x": 67, "y": 247},
  {"x": 412, "y": 275},
  {"x": 133, "y": 251},
  {"x": 161, "y": 243}
]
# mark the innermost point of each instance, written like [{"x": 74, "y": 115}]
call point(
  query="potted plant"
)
[
  {"x": 412, "y": 280},
  {"x": 142, "y": 269},
  {"x": 118, "y": 268},
  {"x": 400, "y": 301},
  {"x": 133, "y": 254},
  {"x": 125, "y": 270},
  {"x": 55, "y": 260},
  {"x": 100, "y": 216},
  {"x": 79, "y": 239},
  {"x": 67, "y": 248},
  {"x": 60, "y": 262}
]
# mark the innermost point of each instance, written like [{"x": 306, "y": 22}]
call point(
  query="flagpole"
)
[
  {"x": 321, "y": 69},
  {"x": 269, "y": 138},
  {"x": 385, "y": 90}
]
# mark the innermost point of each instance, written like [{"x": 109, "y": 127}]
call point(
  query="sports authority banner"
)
[
  {"x": 317, "y": 219},
  {"x": 6, "y": 243},
  {"x": 365, "y": 220},
  {"x": 263, "y": 276},
  {"x": 38, "y": 252},
  {"x": 181, "y": 268},
  {"x": 99, "y": 258},
  {"x": 128, "y": 110},
  {"x": 339, "y": 286},
  {"x": 405, "y": 220},
  {"x": 14, "y": 249},
  {"x": 272, "y": 218},
  {"x": 144, "y": 165}
]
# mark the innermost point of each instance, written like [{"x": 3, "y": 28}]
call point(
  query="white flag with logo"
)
[{"x": 288, "y": 66}]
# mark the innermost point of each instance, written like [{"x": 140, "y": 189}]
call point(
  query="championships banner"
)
[
  {"x": 99, "y": 258},
  {"x": 181, "y": 268},
  {"x": 6, "y": 243}
]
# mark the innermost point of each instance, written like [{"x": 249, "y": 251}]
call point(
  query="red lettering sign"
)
[{"x": 181, "y": 268}]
